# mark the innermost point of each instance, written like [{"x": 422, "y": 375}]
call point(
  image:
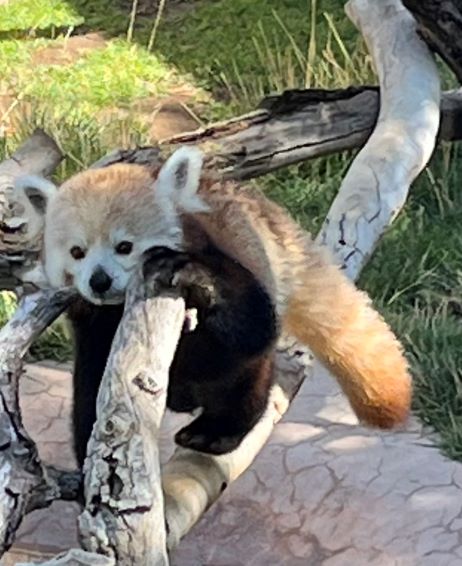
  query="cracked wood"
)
[
  {"x": 24, "y": 483},
  {"x": 377, "y": 184},
  {"x": 124, "y": 510},
  {"x": 20, "y": 227}
]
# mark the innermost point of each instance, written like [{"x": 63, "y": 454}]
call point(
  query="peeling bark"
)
[
  {"x": 20, "y": 226},
  {"x": 124, "y": 510},
  {"x": 294, "y": 126}
]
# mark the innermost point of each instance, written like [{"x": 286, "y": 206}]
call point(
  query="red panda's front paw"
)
[
  {"x": 196, "y": 285},
  {"x": 170, "y": 269},
  {"x": 160, "y": 266}
]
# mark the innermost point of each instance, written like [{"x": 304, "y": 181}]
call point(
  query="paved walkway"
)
[{"x": 323, "y": 492}]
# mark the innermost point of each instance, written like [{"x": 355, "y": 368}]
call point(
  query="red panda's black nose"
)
[{"x": 100, "y": 282}]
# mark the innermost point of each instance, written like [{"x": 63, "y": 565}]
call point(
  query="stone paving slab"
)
[{"x": 323, "y": 492}]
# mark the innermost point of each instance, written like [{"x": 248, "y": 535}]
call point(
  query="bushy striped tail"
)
[{"x": 337, "y": 322}]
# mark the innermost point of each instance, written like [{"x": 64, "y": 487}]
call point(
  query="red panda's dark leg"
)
[
  {"x": 94, "y": 329},
  {"x": 232, "y": 411},
  {"x": 224, "y": 365}
]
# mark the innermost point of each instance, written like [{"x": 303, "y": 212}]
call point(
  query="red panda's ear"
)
[
  {"x": 37, "y": 190},
  {"x": 179, "y": 179}
]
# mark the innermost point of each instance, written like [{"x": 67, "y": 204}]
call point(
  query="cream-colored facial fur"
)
[{"x": 97, "y": 210}]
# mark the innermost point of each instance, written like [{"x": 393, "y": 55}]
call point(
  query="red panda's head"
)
[{"x": 100, "y": 222}]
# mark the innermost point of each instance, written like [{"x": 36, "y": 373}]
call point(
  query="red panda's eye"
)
[
  {"x": 124, "y": 248},
  {"x": 77, "y": 252}
]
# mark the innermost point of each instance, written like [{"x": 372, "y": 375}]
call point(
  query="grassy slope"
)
[{"x": 240, "y": 50}]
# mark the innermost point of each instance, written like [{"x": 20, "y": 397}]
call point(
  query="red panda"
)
[{"x": 247, "y": 267}]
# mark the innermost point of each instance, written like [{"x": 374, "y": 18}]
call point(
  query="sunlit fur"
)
[{"x": 314, "y": 300}]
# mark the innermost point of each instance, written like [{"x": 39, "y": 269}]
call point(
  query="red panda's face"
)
[
  {"x": 99, "y": 223},
  {"x": 96, "y": 242}
]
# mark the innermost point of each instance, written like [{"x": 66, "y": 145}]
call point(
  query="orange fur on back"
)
[{"x": 318, "y": 304}]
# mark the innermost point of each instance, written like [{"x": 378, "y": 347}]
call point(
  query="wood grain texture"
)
[
  {"x": 124, "y": 507},
  {"x": 440, "y": 24}
]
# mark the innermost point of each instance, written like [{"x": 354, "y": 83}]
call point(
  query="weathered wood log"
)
[
  {"x": 192, "y": 482},
  {"x": 286, "y": 129},
  {"x": 377, "y": 184},
  {"x": 124, "y": 510},
  {"x": 289, "y": 128},
  {"x": 440, "y": 24},
  {"x": 24, "y": 482}
]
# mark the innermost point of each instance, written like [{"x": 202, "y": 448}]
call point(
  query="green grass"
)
[
  {"x": 27, "y": 16},
  {"x": 266, "y": 48},
  {"x": 239, "y": 51},
  {"x": 108, "y": 78}
]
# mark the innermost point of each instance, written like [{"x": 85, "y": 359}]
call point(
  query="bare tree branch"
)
[
  {"x": 20, "y": 227},
  {"x": 124, "y": 510},
  {"x": 377, "y": 184},
  {"x": 289, "y": 128},
  {"x": 24, "y": 483}
]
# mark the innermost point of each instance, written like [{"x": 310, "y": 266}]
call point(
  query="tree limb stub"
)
[
  {"x": 20, "y": 227},
  {"x": 124, "y": 511},
  {"x": 376, "y": 187},
  {"x": 440, "y": 24},
  {"x": 192, "y": 482},
  {"x": 24, "y": 483}
]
